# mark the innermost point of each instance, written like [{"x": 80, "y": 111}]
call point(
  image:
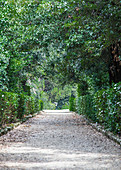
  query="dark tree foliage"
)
[{"x": 59, "y": 40}]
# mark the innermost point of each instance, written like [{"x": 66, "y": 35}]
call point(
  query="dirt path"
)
[{"x": 58, "y": 140}]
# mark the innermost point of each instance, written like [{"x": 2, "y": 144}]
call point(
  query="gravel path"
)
[{"x": 58, "y": 140}]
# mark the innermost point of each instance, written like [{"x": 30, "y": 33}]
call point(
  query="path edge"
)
[
  {"x": 11, "y": 126},
  {"x": 99, "y": 128}
]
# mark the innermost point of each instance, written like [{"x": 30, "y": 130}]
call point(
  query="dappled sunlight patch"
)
[
  {"x": 57, "y": 112},
  {"x": 56, "y": 164}
]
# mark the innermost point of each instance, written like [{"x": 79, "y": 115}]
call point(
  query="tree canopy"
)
[{"x": 59, "y": 40}]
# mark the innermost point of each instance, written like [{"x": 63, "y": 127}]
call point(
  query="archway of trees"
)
[{"x": 56, "y": 50}]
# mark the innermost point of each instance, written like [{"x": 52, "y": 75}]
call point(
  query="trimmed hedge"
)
[
  {"x": 14, "y": 107},
  {"x": 38, "y": 105},
  {"x": 104, "y": 107},
  {"x": 8, "y": 107},
  {"x": 108, "y": 107},
  {"x": 72, "y": 103},
  {"x": 85, "y": 106}
]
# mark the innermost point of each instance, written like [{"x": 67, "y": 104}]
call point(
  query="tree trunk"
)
[{"x": 115, "y": 65}]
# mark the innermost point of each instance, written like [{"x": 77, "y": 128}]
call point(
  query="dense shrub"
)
[
  {"x": 85, "y": 106},
  {"x": 41, "y": 104},
  {"x": 15, "y": 106},
  {"x": 65, "y": 106},
  {"x": 36, "y": 104},
  {"x": 21, "y": 106},
  {"x": 30, "y": 106},
  {"x": 108, "y": 107},
  {"x": 72, "y": 103},
  {"x": 82, "y": 88},
  {"x": 104, "y": 107},
  {"x": 8, "y": 107}
]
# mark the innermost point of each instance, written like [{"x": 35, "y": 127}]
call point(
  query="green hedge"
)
[
  {"x": 85, "y": 106},
  {"x": 14, "y": 107},
  {"x": 104, "y": 107},
  {"x": 41, "y": 104},
  {"x": 38, "y": 105},
  {"x": 72, "y": 103},
  {"x": 108, "y": 107},
  {"x": 8, "y": 107}
]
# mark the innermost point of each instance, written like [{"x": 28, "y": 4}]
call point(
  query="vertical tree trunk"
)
[{"x": 115, "y": 66}]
